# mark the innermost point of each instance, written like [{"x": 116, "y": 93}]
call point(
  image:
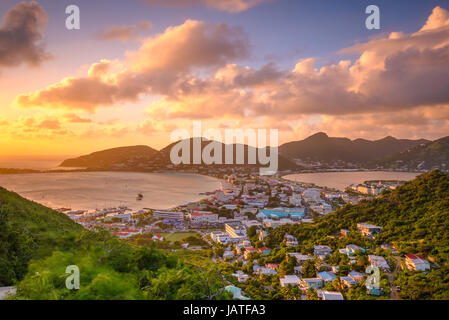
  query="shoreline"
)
[{"x": 284, "y": 177}]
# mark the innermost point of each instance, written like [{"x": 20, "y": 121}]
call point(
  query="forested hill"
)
[
  {"x": 37, "y": 244},
  {"x": 430, "y": 156},
  {"x": 111, "y": 157},
  {"x": 415, "y": 217},
  {"x": 320, "y": 147},
  {"x": 29, "y": 230}
]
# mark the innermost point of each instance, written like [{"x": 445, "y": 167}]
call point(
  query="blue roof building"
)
[
  {"x": 284, "y": 212},
  {"x": 327, "y": 276}
]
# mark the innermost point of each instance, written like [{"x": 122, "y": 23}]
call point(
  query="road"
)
[{"x": 394, "y": 295}]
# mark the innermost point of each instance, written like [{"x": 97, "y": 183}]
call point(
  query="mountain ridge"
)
[{"x": 292, "y": 155}]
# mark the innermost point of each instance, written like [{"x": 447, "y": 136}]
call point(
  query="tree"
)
[
  {"x": 287, "y": 267},
  {"x": 312, "y": 294},
  {"x": 309, "y": 269}
]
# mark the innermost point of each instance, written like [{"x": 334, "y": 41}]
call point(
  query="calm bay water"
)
[
  {"x": 341, "y": 180},
  {"x": 91, "y": 190},
  {"x": 32, "y": 162}
]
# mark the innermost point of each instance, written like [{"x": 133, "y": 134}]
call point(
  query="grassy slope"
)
[{"x": 31, "y": 231}]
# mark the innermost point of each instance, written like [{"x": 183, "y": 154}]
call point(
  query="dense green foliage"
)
[
  {"x": 37, "y": 244},
  {"x": 113, "y": 269},
  {"x": 29, "y": 230},
  {"x": 430, "y": 156}
]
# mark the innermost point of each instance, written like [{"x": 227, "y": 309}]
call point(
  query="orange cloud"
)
[
  {"x": 74, "y": 118},
  {"x": 159, "y": 64},
  {"x": 124, "y": 33},
  {"x": 192, "y": 44},
  {"x": 391, "y": 74}
]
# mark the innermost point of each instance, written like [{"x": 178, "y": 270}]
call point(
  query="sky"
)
[{"x": 137, "y": 70}]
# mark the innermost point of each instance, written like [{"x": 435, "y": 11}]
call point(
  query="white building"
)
[
  {"x": 169, "y": 215},
  {"x": 330, "y": 295},
  {"x": 203, "y": 216},
  {"x": 290, "y": 280},
  {"x": 380, "y": 262},
  {"x": 416, "y": 263},
  {"x": 290, "y": 241}
]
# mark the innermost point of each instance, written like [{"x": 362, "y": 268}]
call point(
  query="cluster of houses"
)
[
  {"x": 240, "y": 248},
  {"x": 264, "y": 202},
  {"x": 373, "y": 189}
]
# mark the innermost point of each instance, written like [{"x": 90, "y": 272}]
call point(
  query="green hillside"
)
[
  {"x": 428, "y": 157},
  {"x": 414, "y": 218},
  {"x": 29, "y": 230},
  {"x": 37, "y": 244},
  {"x": 116, "y": 156}
]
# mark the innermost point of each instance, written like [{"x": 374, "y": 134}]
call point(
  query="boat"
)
[{"x": 139, "y": 197}]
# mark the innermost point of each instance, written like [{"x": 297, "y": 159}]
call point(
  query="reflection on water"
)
[
  {"x": 341, "y": 180},
  {"x": 91, "y": 190}
]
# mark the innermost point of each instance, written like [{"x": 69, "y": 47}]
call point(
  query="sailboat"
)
[{"x": 139, "y": 197}]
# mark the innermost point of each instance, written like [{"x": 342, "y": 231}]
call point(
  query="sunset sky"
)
[{"x": 139, "y": 69}]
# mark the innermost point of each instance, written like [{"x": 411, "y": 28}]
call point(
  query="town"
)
[{"x": 239, "y": 224}]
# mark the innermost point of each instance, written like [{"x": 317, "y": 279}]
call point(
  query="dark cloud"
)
[{"x": 21, "y": 35}]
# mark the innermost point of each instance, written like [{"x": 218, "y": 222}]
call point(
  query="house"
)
[
  {"x": 266, "y": 271},
  {"x": 345, "y": 233},
  {"x": 357, "y": 276},
  {"x": 330, "y": 295},
  {"x": 311, "y": 194},
  {"x": 326, "y": 276},
  {"x": 228, "y": 254},
  {"x": 248, "y": 252},
  {"x": 290, "y": 280},
  {"x": 121, "y": 235},
  {"x": 264, "y": 250},
  {"x": 235, "y": 230},
  {"x": 372, "y": 291},
  {"x": 380, "y": 262},
  {"x": 175, "y": 215},
  {"x": 241, "y": 276},
  {"x": 157, "y": 237},
  {"x": 262, "y": 235},
  {"x": 273, "y": 266},
  {"x": 236, "y": 292},
  {"x": 315, "y": 283},
  {"x": 322, "y": 251},
  {"x": 416, "y": 263},
  {"x": 351, "y": 249},
  {"x": 290, "y": 241},
  {"x": 348, "y": 282},
  {"x": 300, "y": 258},
  {"x": 368, "y": 230},
  {"x": 202, "y": 216}
]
